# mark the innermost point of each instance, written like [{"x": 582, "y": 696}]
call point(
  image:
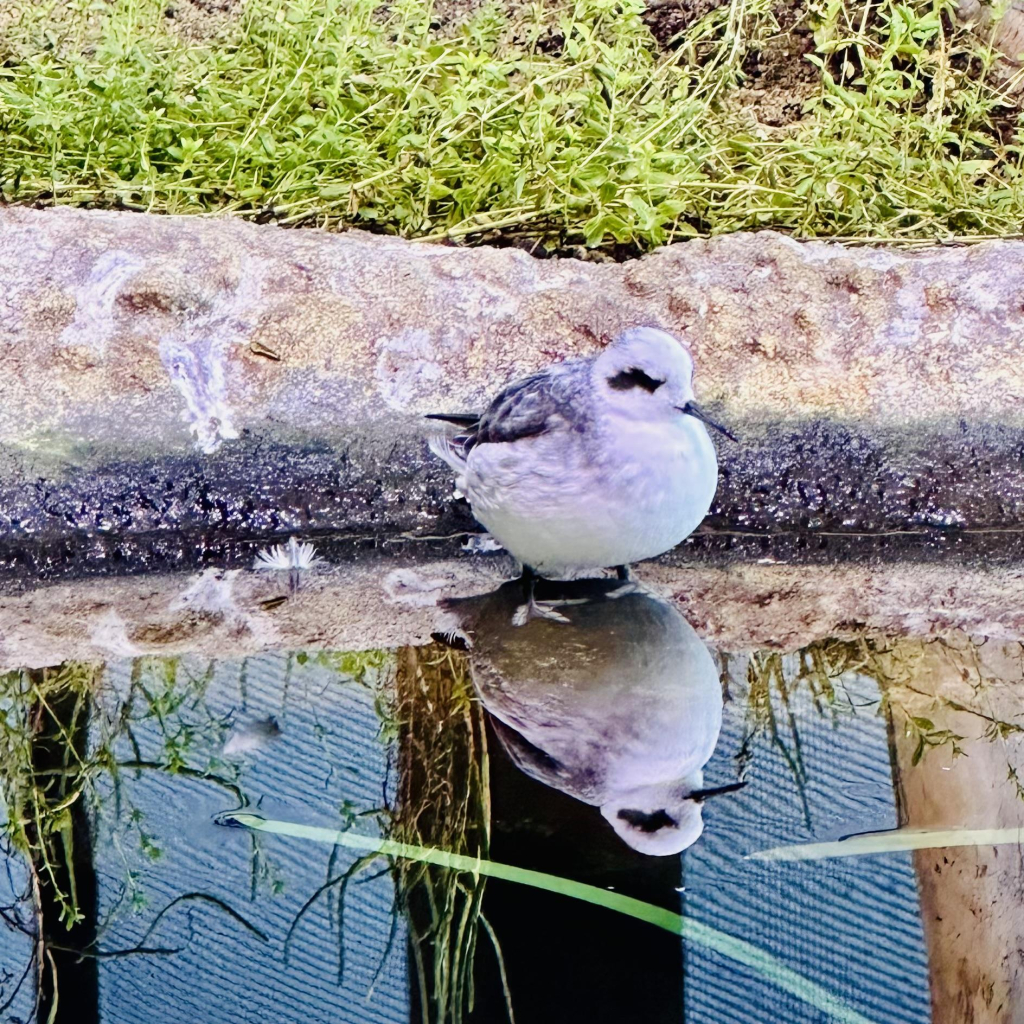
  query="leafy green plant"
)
[{"x": 344, "y": 112}]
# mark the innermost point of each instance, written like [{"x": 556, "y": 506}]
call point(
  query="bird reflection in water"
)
[{"x": 620, "y": 707}]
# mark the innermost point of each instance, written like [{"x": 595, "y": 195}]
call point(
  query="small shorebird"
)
[
  {"x": 620, "y": 706},
  {"x": 591, "y": 463}
]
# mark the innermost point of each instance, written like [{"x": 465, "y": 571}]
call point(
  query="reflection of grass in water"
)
[
  {"x": 443, "y": 801},
  {"x": 49, "y": 767},
  {"x": 894, "y": 665},
  {"x": 774, "y": 679},
  {"x": 44, "y": 771},
  {"x": 966, "y": 663},
  {"x": 46, "y": 768}
]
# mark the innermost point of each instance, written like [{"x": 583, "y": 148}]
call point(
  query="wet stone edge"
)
[{"x": 814, "y": 492}]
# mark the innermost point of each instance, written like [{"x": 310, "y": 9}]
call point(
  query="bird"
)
[
  {"x": 620, "y": 707},
  {"x": 591, "y": 463}
]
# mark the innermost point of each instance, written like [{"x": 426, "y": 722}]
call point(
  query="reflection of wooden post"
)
[
  {"x": 972, "y": 898},
  {"x": 442, "y": 800}
]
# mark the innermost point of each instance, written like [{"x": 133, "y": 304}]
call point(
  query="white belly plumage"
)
[{"x": 560, "y": 512}]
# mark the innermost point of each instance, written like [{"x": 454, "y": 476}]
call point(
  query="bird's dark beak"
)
[
  {"x": 694, "y": 410},
  {"x": 700, "y": 795}
]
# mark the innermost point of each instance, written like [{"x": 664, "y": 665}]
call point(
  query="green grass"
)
[
  {"x": 325, "y": 112},
  {"x": 730, "y": 946}
]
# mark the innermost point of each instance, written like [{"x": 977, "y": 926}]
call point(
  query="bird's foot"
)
[
  {"x": 629, "y": 586},
  {"x": 534, "y": 609}
]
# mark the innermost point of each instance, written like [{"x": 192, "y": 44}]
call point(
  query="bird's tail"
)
[{"x": 454, "y": 449}]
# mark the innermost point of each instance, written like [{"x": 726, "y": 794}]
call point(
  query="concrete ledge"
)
[
  {"x": 391, "y": 599},
  {"x": 178, "y": 385}
]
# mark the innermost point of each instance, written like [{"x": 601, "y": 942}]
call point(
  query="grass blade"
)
[
  {"x": 894, "y": 841},
  {"x": 736, "y": 949}
]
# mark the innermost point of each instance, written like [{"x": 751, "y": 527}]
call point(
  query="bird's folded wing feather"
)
[
  {"x": 529, "y": 407},
  {"x": 460, "y": 419}
]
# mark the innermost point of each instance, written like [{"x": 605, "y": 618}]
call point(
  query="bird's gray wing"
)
[{"x": 534, "y": 405}]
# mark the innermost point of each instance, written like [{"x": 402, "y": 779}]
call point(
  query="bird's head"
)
[
  {"x": 662, "y": 820},
  {"x": 647, "y": 374}
]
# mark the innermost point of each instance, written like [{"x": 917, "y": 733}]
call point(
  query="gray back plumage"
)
[{"x": 544, "y": 401}]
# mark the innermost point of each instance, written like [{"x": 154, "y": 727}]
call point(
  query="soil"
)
[
  {"x": 668, "y": 18},
  {"x": 779, "y": 79},
  {"x": 200, "y": 20},
  {"x": 451, "y": 13}
]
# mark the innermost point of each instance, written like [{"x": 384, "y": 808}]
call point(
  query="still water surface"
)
[{"x": 592, "y": 751}]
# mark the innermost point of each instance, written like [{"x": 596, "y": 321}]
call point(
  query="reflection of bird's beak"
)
[
  {"x": 694, "y": 410},
  {"x": 700, "y": 795}
]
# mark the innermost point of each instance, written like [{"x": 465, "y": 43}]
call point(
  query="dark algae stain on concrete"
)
[{"x": 821, "y": 492}]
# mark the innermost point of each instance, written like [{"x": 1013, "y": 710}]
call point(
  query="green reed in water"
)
[{"x": 728, "y": 945}]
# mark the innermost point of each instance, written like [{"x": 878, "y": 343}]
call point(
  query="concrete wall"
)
[{"x": 175, "y": 384}]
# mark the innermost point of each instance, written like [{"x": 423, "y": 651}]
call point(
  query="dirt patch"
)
[
  {"x": 772, "y": 107},
  {"x": 778, "y": 78},
  {"x": 451, "y": 13},
  {"x": 199, "y": 20},
  {"x": 448, "y": 16},
  {"x": 668, "y": 18}
]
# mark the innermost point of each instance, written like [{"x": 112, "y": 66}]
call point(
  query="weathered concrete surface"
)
[
  {"x": 177, "y": 384},
  {"x": 971, "y": 897},
  {"x": 391, "y": 598}
]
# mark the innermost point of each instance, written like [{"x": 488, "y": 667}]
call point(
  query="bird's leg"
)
[
  {"x": 524, "y": 612},
  {"x": 628, "y": 583},
  {"x": 532, "y": 608}
]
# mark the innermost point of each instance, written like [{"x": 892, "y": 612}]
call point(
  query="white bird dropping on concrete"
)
[{"x": 591, "y": 463}]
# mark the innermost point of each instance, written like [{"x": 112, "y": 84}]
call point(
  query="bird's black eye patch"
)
[
  {"x": 634, "y": 378},
  {"x": 647, "y": 822}
]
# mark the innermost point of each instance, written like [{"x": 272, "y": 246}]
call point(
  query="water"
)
[{"x": 573, "y": 749}]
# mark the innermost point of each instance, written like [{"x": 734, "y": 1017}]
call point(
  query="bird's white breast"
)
[{"x": 564, "y": 504}]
